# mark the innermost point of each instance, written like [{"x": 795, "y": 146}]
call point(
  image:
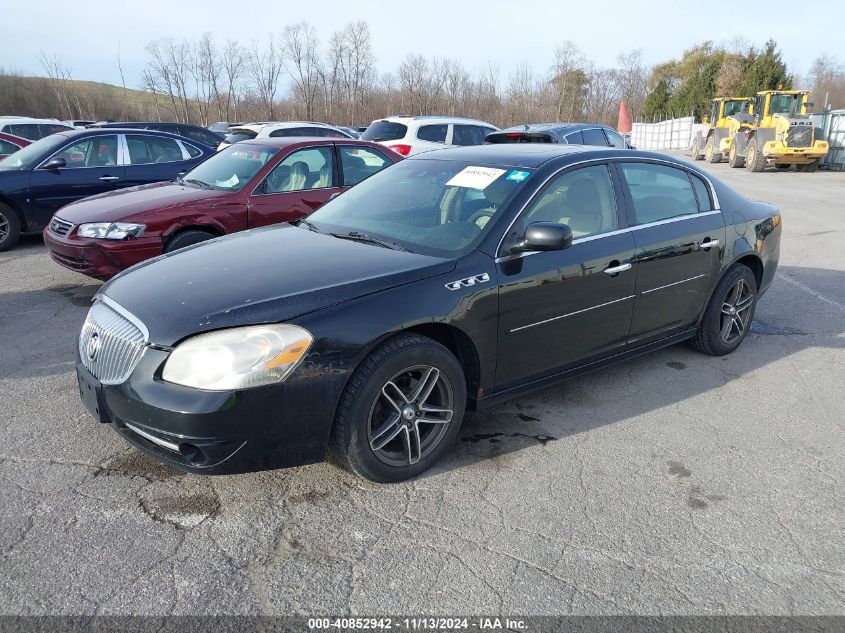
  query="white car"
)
[
  {"x": 274, "y": 129},
  {"x": 409, "y": 135},
  {"x": 31, "y": 129}
]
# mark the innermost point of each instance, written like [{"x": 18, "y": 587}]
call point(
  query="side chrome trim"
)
[
  {"x": 674, "y": 283},
  {"x": 152, "y": 438},
  {"x": 563, "y": 316},
  {"x": 114, "y": 305}
]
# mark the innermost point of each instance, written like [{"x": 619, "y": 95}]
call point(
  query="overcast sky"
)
[{"x": 86, "y": 34}]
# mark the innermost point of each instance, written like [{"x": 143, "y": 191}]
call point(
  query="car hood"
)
[
  {"x": 265, "y": 275},
  {"x": 125, "y": 203}
]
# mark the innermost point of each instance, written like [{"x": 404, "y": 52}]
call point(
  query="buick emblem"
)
[{"x": 93, "y": 346}]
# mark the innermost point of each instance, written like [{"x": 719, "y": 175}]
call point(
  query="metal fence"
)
[
  {"x": 832, "y": 124},
  {"x": 665, "y": 135}
]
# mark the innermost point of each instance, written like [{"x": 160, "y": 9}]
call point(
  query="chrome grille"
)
[
  {"x": 60, "y": 227},
  {"x": 110, "y": 344},
  {"x": 800, "y": 136}
]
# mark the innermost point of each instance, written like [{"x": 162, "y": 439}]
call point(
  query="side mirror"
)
[
  {"x": 54, "y": 163},
  {"x": 546, "y": 236}
]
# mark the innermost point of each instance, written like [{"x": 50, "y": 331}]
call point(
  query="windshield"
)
[
  {"x": 232, "y": 168},
  {"x": 433, "y": 207},
  {"x": 732, "y": 107},
  {"x": 785, "y": 104},
  {"x": 29, "y": 156},
  {"x": 384, "y": 131}
]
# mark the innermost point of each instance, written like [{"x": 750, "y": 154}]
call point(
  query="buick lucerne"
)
[{"x": 448, "y": 281}]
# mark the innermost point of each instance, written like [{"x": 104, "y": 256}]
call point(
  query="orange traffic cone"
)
[{"x": 623, "y": 125}]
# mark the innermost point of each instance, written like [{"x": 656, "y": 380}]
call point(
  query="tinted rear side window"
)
[
  {"x": 575, "y": 138},
  {"x": 702, "y": 192},
  {"x": 384, "y": 131},
  {"x": 594, "y": 136},
  {"x": 433, "y": 133},
  {"x": 200, "y": 135},
  {"x": 242, "y": 135},
  {"x": 469, "y": 134},
  {"x": 519, "y": 137},
  {"x": 614, "y": 139},
  {"x": 29, "y": 131},
  {"x": 658, "y": 192}
]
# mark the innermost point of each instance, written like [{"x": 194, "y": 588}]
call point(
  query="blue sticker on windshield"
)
[{"x": 518, "y": 176}]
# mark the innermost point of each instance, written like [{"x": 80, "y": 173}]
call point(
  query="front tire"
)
[
  {"x": 807, "y": 167},
  {"x": 754, "y": 158},
  {"x": 186, "y": 238},
  {"x": 710, "y": 152},
  {"x": 734, "y": 159},
  {"x": 729, "y": 313},
  {"x": 10, "y": 227},
  {"x": 696, "y": 148},
  {"x": 400, "y": 411}
]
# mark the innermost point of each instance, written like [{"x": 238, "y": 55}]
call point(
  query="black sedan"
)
[
  {"x": 449, "y": 281},
  {"x": 59, "y": 169},
  {"x": 572, "y": 133}
]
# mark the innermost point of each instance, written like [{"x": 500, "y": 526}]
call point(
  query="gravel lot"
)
[{"x": 676, "y": 483}]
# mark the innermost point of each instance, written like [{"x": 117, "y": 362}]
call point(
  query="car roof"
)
[
  {"x": 7, "y": 118},
  {"x": 533, "y": 155},
  {"x": 102, "y": 131},
  {"x": 286, "y": 141},
  {"x": 549, "y": 127},
  {"x": 432, "y": 118}
]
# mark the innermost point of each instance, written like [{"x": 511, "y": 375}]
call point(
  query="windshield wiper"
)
[
  {"x": 310, "y": 225},
  {"x": 358, "y": 236},
  {"x": 200, "y": 183}
]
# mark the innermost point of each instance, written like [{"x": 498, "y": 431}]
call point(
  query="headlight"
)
[
  {"x": 238, "y": 358},
  {"x": 111, "y": 230}
]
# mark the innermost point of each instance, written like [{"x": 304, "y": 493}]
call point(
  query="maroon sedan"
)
[
  {"x": 9, "y": 144},
  {"x": 250, "y": 184}
]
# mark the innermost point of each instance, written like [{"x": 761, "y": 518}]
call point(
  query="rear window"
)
[
  {"x": 519, "y": 137},
  {"x": 384, "y": 131},
  {"x": 240, "y": 135}
]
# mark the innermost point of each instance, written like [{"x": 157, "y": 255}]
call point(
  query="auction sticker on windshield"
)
[{"x": 475, "y": 177}]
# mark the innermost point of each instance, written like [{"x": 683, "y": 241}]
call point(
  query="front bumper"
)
[
  {"x": 101, "y": 259},
  {"x": 216, "y": 432}
]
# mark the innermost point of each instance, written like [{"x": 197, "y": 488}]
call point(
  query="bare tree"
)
[
  {"x": 632, "y": 81},
  {"x": 302, "y": 61},
  {"x": 265, "y": 64},
  {"x": 827, "y": 80},
  {"x": 234, "y": 63}
]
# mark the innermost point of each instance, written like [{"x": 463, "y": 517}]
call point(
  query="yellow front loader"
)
[
  {"x": 711, "y": 142},
  {"x": 781, "y": 134}
]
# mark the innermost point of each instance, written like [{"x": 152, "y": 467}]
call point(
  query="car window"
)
[
  {"x": 575, "y": 138},
  {"x": 384, "y": 131},
  {"x": 7, "y": 148},
  {"x": 594, "y": 136},
  {"x": 193, "y": 152},
  {"x": 702, "y": 193},
  {"x": 146, "y": 150},
  {"x": 433, "y": 133},
  {"x": 615, "y": 139},
  {"x": 29, "y": 131},
  {"x": 96, "y": 151},
  {"x": 469, "y": 134},
  {"x": 658, "y": 192},
  {"x": 240, "y": 135},
  {"x": 358, "y": 163},
  {"x": 582, "y": 198},
  {"x": 200, "y": 135},
  {"x": 311, "y": 168},
  {"x": 52, "y": 128}
]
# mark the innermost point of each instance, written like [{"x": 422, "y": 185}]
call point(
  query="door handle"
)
[
  {"x": 109, "y": 178},
  {"x": 709, "y": 243},
  {"x": 621, "y": 268}
]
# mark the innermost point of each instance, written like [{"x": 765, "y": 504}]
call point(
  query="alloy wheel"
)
[
  {"x": 736, "y": 309},
  {"x": 4, "y": 227},
  {"x": 411, "y": 415}
]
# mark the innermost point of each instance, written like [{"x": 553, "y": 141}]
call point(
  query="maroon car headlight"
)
[
  {"x": 238, "y": 358},
  {"x": 111, "y": 230}
]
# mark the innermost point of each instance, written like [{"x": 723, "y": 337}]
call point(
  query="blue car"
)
[{"x": 59, "y": 169}]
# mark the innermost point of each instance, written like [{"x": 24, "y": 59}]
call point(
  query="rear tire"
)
[
  {"x": 808, "y": 168},
  {"x": 710, "y": 152},
  {"x": 783, "y": 167},
  {"x": 186, "y": 238},
  {"x": 727, "y": 318},
  {"x": 401, "y": 410},
  {"x": 754, "y": 159},
  {"x": 734, "y": 159},
  {"x": 10, "y": 227}
]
